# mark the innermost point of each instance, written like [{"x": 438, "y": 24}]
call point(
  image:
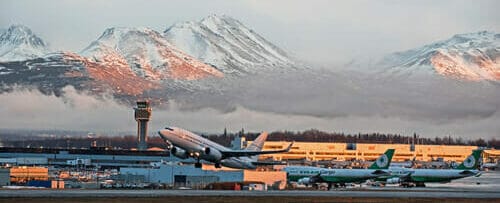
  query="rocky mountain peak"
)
[{"x": 18, "y": 42}]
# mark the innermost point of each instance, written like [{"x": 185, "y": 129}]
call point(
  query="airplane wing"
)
[
  {"x": 380, "y": 172},
  {"x": 316, "y": 178},
  {"x": 268, "y": 163},
  {"x": 238, "y": 153},
  {"x": 406, "y": 177},
  {"x": 467, "y": 172}
]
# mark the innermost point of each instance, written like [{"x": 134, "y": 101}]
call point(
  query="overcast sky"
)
[{"x": 323, "y": 32}]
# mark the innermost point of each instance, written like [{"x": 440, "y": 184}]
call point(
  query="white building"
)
[{"x": 189, "y": 176}]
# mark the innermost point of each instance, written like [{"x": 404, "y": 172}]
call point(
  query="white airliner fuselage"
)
[
  {"x": 312, "y": 175},
  {"x": 189, "y": 145},
  {"x": 419, "y": 177},
  {"x": 430, "y": 175}
]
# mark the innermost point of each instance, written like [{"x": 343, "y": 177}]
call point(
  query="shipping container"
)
[{"x": 57, "y": 184}]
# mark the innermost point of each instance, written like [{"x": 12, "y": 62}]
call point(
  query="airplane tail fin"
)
[
  {"x": 257, "y": 144},
  {"x": 472, "y": 161},
  {"x": 383, "y": 161}
]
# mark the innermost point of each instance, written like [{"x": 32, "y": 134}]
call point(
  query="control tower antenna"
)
[{"x": 142, "y": 115}]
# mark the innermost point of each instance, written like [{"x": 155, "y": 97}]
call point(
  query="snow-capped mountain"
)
[
  {"x": 18, "y": 43},
  {"x": 146, "y": 53},
  {"x": 129, "y": 63},
  {"x": 54, "y": 71},
  {"x": 472, "y": 56},
  {"x": 228, "y": 45}
]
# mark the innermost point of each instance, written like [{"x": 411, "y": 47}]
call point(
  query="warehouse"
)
[
  {"x": 25, "y": 174},
  {"x": 316, "y": 151},
  {"x": 189, "y": 176},
  {"x": 101, "y": 157}
]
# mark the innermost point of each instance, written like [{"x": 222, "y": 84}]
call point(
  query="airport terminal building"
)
[{"x": 317, "y": 151}]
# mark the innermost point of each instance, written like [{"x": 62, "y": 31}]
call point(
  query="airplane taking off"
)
[
  {"x": 312, "y": 175},
  {"x": 185, "y": 144},
  {"x": 418, "y": 177}
]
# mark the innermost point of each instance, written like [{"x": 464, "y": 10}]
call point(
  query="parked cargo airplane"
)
[
  {"x": 312, "y": 175},
  {"x": 185, "y": 144},
  {"x": 418, "y": 177}
]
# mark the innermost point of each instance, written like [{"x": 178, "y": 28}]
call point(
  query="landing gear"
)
[
  {"x": 410, "y": 184},
  {"x": 197, "y": 164},
  {"x": 315, "y": 186},
  {"x": 168, "y": 143},
  {"x": 329, "y": 186},
  {"x": 420, "y": 184},
  {"x": 217, "y": 165}
]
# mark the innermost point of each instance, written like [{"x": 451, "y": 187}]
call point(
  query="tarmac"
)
[
  {"x": 378, "y": 193},
  {"x": 387, "y": 194},
  {"x": 473, "y": 189}
]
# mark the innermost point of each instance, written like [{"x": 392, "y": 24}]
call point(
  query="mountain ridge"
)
[
  {"x": 18, "y": 42},
  {"x": 229, "y": 45},
  {"x": 147, "y": 54},
  {"x": 470, "y": 56},
  {"x": 139, "y": 62}
]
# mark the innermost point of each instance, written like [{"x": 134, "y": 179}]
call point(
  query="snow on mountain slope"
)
[
  {"x": 54, "y": 71},
  {"x": 18, "y": 43},
  {"x": 228, "y": 45},
  {"x": 129, "y": 63},
  {"x": 147, "y": 54},
  {"x": 472, "y": 56}
]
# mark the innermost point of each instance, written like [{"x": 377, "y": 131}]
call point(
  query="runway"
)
[{"x": 379, "y": 194}]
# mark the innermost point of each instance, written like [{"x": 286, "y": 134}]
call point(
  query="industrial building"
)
[
  {"x": 316, "y": 151},
  {"x": 189, "y": 176},
  {"x": 25, "y": 174},
  {"x": 94, "y": 157}
]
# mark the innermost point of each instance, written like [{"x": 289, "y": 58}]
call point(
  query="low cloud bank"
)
[{"x": 325, "y": 101}]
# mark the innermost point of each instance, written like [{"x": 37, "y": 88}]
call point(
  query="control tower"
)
[{"x": 142, "y": 115}]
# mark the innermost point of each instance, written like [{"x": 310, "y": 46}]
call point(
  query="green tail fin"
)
[
  {"x": 472, "y": 161},
  {"x": 383, "y": 161}
]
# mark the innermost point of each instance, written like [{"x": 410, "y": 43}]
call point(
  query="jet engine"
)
[
  {"x": 180, "y": 153},
  {"x": 393, "y": 180},
  {"x": 305, "y": 181},
  {"x": 212, "y": 155}
]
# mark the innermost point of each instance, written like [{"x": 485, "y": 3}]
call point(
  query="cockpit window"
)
[{"x": 169, "y": 129}]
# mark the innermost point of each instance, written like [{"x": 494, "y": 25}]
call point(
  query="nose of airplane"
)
[
  {"x": 162, "y": 134},
  {"x": 167, "y": 130}
]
